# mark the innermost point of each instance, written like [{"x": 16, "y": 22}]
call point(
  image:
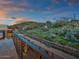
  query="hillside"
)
[{"x": 61, "y": 32}]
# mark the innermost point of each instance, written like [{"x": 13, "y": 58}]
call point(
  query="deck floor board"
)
[{"x": 7, "y": 49}]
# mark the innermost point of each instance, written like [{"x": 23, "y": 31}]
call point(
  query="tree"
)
[{"x": 49, "y": 24}]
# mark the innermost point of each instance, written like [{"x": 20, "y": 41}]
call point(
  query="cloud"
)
[
  {"x": 5, "y": 18},
  {"x": 72, "y": 2},
  {"x": 3, "y": 13},
  {"x": 20, "y": 20},
  {"x": 1, "y": 22},
  {"x": 14, "y": 20},
  {"x": 69, "y": 2},
  {"x": 56, "y": 1},
  {"x": 8, "y": 6}
]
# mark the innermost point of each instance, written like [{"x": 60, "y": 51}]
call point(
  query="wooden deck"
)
[{"x": 7, "y": 49}]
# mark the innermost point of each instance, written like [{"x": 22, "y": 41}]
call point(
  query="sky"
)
[{"x": 14, "y": 11}]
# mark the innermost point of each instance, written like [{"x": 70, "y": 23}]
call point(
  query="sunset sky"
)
[{"x": 12, "y": 11}]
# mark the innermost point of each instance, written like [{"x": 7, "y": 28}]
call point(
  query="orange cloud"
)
[
  {"x": 7, "y": 6},
  {"x": 3, "y": 13},
  {"x": 5, "y": 18},
  {"x": 2, "y": 18},
  {"x": 20, "y": 20},
  {"x": 14, "y": 20}
]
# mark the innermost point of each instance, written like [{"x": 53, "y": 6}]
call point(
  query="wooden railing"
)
[
  {"x": 69, "y": 50},
  {"x": 24, "y": 46},
  {"x": 66, "y": 49},
  {"x": 31, "y": 49}
]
